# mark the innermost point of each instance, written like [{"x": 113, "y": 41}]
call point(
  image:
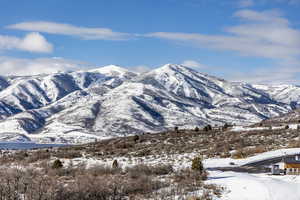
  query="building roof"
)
[{"x": 291, "y": 161}]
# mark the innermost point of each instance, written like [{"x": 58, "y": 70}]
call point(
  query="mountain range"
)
[{"x": 83, "y": 106}]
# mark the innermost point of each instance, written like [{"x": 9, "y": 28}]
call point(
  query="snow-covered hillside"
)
[{"x": 82, "y": 106}]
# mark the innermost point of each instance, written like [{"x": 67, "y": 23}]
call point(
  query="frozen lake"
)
[{"x": 29, "y": 145}]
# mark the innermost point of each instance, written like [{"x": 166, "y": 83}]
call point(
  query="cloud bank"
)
[
  {"x": 32, "y": 42},
  {"x": 70, "y": 30},
  {"x": 23, "y": 67},
  {"x": 193, "y": 64}
]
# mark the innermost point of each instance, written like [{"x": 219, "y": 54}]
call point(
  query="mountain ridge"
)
[{"x": 81, "y": 106}]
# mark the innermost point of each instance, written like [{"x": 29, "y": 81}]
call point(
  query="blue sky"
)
[{"x": 240, "y": 40}]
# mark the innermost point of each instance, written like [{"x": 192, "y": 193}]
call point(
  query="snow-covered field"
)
[
  {"x": 238, "y": 186},
  {"x": 243, "y": 186},
  {"x": 179, "y": 161}
]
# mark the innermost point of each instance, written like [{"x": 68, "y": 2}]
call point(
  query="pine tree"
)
[
  {"x": 57, "y": 164},
  {"x": 115, "y": 164},
  {"x": 136, "y": 138},
  {"x": 225, "y": 127},
  {"x": 176, "y": 129},
  {"x": 207, "y": 128},
  {"x": 287, "y": 127}
]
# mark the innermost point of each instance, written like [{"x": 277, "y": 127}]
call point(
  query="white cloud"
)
[
  {"x": 268, "y": 16},
  {"x": 8, "y": 42},
  {"x": 70, "y": 30},
  {"x": 276, "y": 75},
  {"x": 264, "y": 34},
  {"x": 33, "y": 42},
  {"x": 140, "y": 69},
  {"x": 245, "y": 3},
  {"x": 290, "y": 2},
  {"x": 247, "y": 46},
  {"x": 249, "y": 3},
  {"x": 193, "y": 64},
  {"x": 17, "y": 66},
  {"x": 283, "y": 72}
]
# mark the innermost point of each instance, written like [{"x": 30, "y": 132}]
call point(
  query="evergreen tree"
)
[
  {"x": 57, "y": 164},
  {"x": 115, "y": 164}
]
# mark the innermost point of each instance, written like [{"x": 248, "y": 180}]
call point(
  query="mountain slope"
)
[
  {"x": 292, "y": 117},
  {"x": 111, "y": 101}
]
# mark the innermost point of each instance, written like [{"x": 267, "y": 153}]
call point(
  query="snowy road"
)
[{"x": 243, "y": 186}]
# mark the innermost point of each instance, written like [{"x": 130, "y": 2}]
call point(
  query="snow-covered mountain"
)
[{"x": 111, "y": 101}]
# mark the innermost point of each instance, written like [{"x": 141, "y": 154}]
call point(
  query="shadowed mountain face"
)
[{"x": 106, "y": 102}]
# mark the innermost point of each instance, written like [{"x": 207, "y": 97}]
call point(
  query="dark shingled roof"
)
[{"x": 291, "y": 161}]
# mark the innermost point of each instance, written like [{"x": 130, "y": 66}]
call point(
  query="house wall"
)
[
  {"x": 292, "y": 165},
  {"x": 281, "y": 165}
]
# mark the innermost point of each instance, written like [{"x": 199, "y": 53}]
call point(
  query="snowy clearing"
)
[{"x": 243, "y": 186}]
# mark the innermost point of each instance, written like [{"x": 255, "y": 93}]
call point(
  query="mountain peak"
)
[
  {"x": 170, "y": 68},
  {"x": 173, "y": 66}
]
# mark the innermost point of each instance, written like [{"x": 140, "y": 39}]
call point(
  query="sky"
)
[{"x": 255, "y": 41}]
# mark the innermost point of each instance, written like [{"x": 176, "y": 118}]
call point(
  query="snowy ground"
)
[
  {"x": 244, "y": 128},
  {"x": 243, "y": 186},
  {"x": 225, "y": 162},
  {"x": 238, "y": 186},
  {"x": 178, "y": 161}
]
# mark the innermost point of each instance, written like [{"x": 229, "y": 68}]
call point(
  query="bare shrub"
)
[
  {"x": 18, "y": 184},
  {"x": 67, "y": 153},
  {"x": 141, "y": 170},
  {"x": 238, "y": 154},
  {"x": 138, "y": 170},
  {"x": 197, "y": 165},
  {"x": 188, "y": 180},
  {"x": 162, "y": 169},
  {"x": 39, "y": 155},
  {"x": 100, "y": 170}
]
